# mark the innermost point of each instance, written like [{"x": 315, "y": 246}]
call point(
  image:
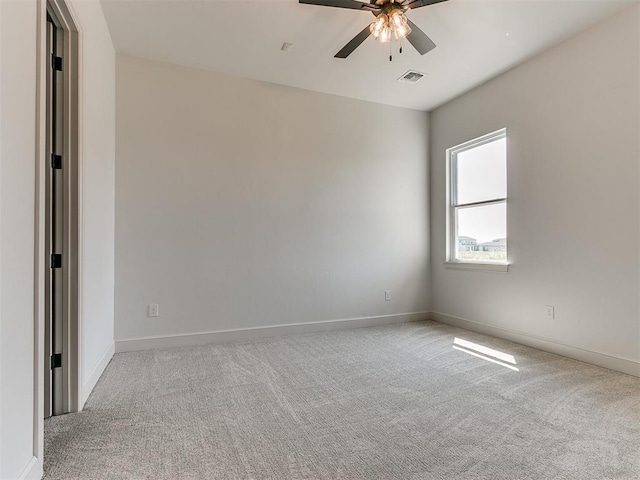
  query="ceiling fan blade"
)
[
  {"x": 420, "y": 3},
  {"x": 354, "y": 43},
  {"x": 352, "y": 4},
  {"x": 419, "y": 39}
]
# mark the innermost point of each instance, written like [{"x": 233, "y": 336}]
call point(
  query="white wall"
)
[
  {"x": 98, "y": 191},
  {"x": 244, "y": 204},
  {"x": 20, "y": 449},
  {"x": 572, "y": 118},
  {"x": 17, "y": 223}
]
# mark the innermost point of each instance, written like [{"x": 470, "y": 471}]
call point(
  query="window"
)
[{"x": 477, "y": 217}]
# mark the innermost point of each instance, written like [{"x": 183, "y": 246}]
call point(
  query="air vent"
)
[{"x": 411, "y": 77}]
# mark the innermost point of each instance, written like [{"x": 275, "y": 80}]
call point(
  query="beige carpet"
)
[{"x": 396, "y": 402}]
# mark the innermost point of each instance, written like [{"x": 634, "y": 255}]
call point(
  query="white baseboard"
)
[
  {"x": 619, "y": 364},
  {"x": 88, "y": 386},
  {"x": 33, "y": 470},
  {"x": 240, "y": 334}
]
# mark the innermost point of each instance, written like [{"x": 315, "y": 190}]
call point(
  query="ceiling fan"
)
[{"x": 390, "y": 23}]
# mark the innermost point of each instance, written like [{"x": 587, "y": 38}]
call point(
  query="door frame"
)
[
  {"x": 62, "y": 12},
  {"x": 63, "y": 17}
]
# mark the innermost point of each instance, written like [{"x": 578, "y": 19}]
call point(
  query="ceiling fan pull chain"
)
[{"x": 390, "y": 55}]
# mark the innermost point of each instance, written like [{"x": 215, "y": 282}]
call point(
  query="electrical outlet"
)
[
  {"x": 153, "y": 310},
  {"x": 387, "y": 295},
  {"x": 549, "y": 312}
]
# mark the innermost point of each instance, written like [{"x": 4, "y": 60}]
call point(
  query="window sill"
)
[{"x": 490, "y": 267}]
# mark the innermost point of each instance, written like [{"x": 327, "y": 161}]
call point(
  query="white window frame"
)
[{"x": 453, "y": 207}]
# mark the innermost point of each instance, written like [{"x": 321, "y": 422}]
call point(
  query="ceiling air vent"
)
[{"x": 411, "y": 77}]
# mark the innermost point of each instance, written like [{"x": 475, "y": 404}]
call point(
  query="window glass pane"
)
[
  {"x": 482, "y": 233},
  {"x": 481, "y": 172}
]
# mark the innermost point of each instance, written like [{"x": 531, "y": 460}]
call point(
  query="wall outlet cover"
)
[
  {"x": 153, "y": 310},
  {"x": 549, "y": 312}
]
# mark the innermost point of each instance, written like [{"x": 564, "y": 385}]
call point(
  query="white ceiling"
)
[{"x": 476, "y": 40}]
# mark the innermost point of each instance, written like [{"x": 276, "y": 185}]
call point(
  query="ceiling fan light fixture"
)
[
  {"x": 385, "y": 36},
  {"x": 395, "y": 24},
  {"x": 397, "y": 18},
  {"x": 399, "y": 24},
  {"x": 402, "y": 31},
  {"x": 379, "y": 25}
]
